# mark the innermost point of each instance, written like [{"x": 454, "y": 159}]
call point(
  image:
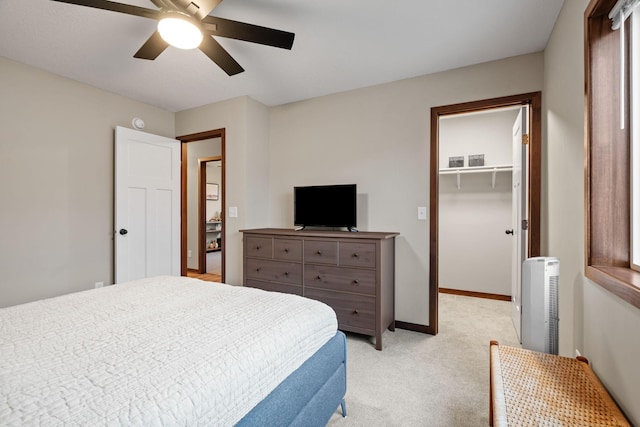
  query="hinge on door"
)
[
  {"x": 525, "y": 139},
  {"x": 525, "y": 224}
]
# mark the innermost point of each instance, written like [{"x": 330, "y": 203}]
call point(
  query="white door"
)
[
  {"x": 147, "y": 205},
  {"x": 519, "y": 203}
]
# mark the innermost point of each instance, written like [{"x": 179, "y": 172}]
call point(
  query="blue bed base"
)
[{"x": 310, "y": 395}]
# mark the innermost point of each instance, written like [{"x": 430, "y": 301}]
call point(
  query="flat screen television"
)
[{"x": 325, "y": 206}]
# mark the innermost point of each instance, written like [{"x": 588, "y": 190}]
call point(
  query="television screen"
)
[{"x": 325, "y": 205}]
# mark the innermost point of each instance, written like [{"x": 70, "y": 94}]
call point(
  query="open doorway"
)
[
  {"x": 210, "y": 213},
  {"x": 475, "y": 203},
  {"x": 203, "y": 205},
  {"x": 531, "y": 142}
]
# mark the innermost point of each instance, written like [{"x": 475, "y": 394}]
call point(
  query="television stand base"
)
[
  {"x": 299, "y": 228},
  {"x": 352, "y": 229}
]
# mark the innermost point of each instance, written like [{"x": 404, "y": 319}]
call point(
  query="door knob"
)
[
  {"x": 508, "y": 231},
  {"x": 123, "y": 231}
]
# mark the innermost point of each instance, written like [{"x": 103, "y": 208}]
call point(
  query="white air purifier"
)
[{"x": 540, "y": 277}]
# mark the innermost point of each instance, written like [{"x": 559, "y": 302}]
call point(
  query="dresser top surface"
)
[{"x": 380, "y": 235}]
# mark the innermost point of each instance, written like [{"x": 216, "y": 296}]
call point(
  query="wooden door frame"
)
[
  {"x": 202, "y": 210},
  {"x": 185, "y": 139},
  {"x": 534, "y": 101}
]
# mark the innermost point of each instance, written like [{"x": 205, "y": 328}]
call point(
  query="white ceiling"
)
[{"x": 340, "y": 45}]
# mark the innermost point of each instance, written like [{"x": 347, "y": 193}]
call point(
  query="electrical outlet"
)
[
  {"x": 189, "y": 253},
  {"x": 99, "y": 285}
]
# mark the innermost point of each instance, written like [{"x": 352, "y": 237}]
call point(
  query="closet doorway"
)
[
  {"x": 203, "y": 205},
  {"x": 473, "y": 207}
]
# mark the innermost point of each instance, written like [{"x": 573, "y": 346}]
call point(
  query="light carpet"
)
[{"x": 425, "y": 380}]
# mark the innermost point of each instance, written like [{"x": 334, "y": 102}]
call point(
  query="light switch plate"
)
[
  {"x": 233, "y": 212},
  {"x": 422, "y": 213}
]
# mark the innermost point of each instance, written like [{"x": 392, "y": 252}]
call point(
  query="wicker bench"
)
[{"x": 528, "y": 388}]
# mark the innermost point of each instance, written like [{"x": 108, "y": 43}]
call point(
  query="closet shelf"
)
[{"x": 477, "y": 169}]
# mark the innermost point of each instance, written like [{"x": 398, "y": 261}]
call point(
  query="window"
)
[{"x": 609, "y": 195}]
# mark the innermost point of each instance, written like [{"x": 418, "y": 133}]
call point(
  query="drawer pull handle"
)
[
  {"x": 319, "y": 253},
  {"x": 258, "y": 269},
  {"x": 258, "y": 247},
  {"x": 286, "y": 250},
  {"x": 318, "y": 278},
  {"x": 355, "y": 255},
  {"x": 286, "y": 273},
  {"x": 356, "y": 282},
  {"x": 355, "y": 311}
]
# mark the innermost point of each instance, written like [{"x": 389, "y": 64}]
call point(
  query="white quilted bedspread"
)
[{"x": 163, "y": 351}]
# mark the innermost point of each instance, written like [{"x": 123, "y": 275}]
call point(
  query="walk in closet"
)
[{"x": 475, "y": 201}]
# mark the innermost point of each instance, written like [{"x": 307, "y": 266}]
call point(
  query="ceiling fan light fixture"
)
[{"x": 180, "y": 31}]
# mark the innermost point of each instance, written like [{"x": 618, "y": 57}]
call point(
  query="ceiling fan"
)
[{"x": 180, "y": 19}]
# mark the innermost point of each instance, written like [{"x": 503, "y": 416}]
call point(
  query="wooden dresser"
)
[{"x": 353, "y": 272}]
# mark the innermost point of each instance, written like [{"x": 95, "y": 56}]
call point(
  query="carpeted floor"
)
[{"x": 425, "y": 380}]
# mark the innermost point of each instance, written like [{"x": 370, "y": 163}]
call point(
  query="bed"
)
[{"x": 171, "y": 351}]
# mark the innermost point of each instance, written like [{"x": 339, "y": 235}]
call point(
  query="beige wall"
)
[
  {"x": 378, "y": 138},
  {"x": 56, "y": 196},
  {"x": 257, "y": 165},
  {"x": 601, "y": 326}
]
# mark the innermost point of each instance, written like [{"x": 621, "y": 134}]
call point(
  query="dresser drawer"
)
[
  {"x": 287, "y": 249},
  {"x": 353, "y": 311},
  {"x": 321, "y": 252},
  {"x": 275, "y": 287},
  {"x": 357, "y": 254},
  {"x": 259, "y": 247},
  {"x": 340, "y": 279},
  {"x": 277, "y": 271}
]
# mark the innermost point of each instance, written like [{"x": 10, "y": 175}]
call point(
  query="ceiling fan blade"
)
[
  {"x": 153, "y": 47},
  {"x": 115, "y": 7},
  {"x": 206, "y": 6},
  {"x": 213, "y": 50},
  {"x": 250, "y": 33}
]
